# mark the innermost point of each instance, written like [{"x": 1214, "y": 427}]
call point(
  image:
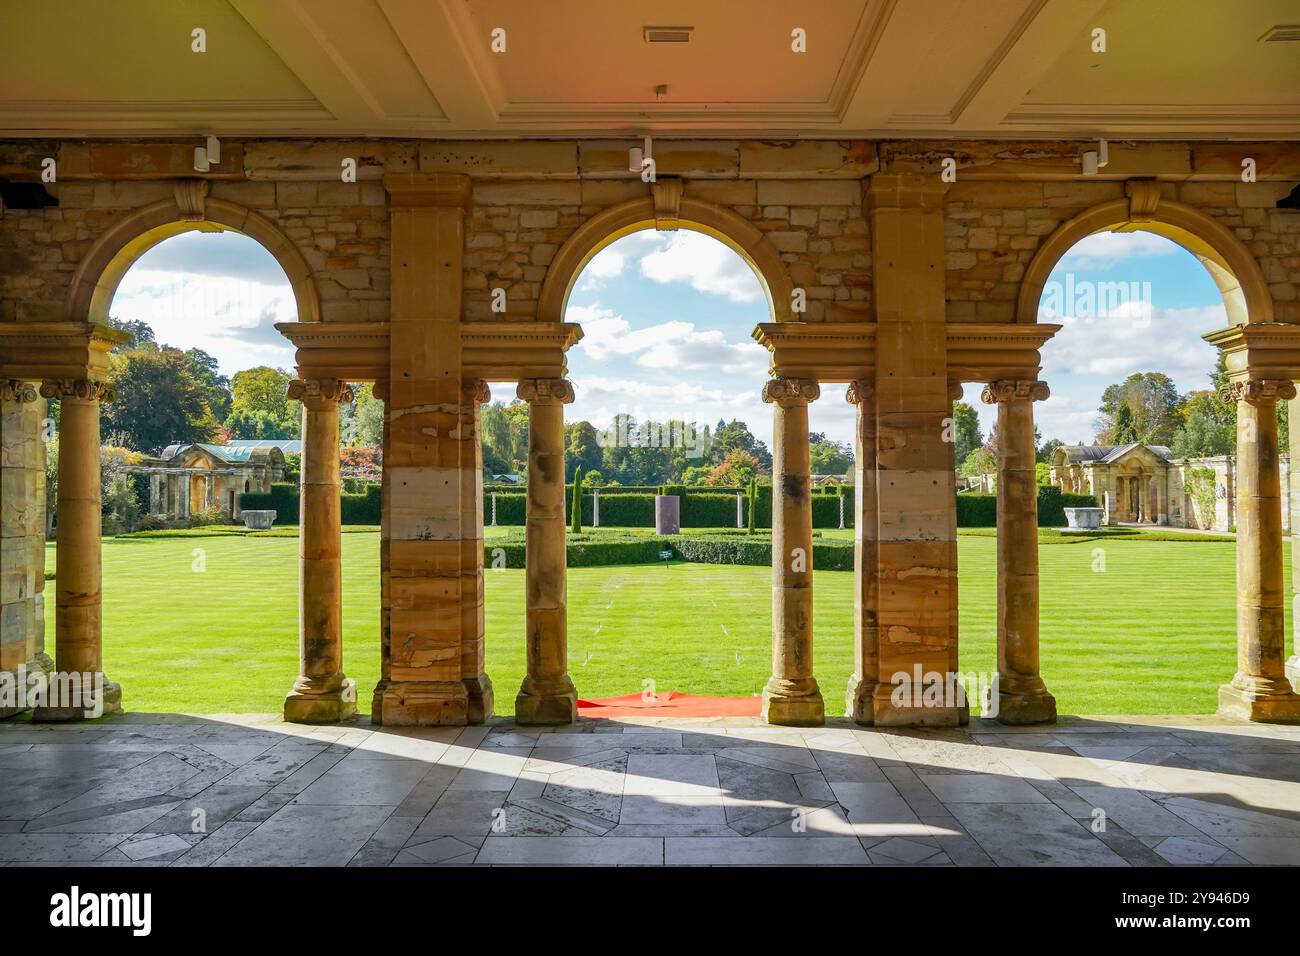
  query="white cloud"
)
[
  {"x": 1104, "y": 249},
  {"x": 666, "y": 345},
  {"x": 1116, "y": 345},
  {"x": 705, "y": 264},
  {"x": 606, "y": 264}
]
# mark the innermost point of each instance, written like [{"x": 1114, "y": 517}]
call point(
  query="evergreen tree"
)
[{"x": 1123, "y": 432}]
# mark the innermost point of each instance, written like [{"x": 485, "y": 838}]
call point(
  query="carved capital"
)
[
  {"x": 860, "y": 391},
  {"x": 791, "y": 391},
  {"x": 475, "y": 392},
  {"x": 316, "y": 393},
  {"x": 667, "y": 195},
  {"x": 380, "y": 389},
  {"x": 192, "y": 198},
  {"x": 955, "y": 391},
  {"x": 1014, "y": 390},
  {"x": 86, "y": 389},
  {"x": 1257, "y": 391},
  {"x": 546, "y": 391},
  {"x": 12, "y": 390}
]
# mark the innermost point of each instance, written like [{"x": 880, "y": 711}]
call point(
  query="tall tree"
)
[
  {"x": 1153, "y": 405},
  {"x": 369, "y": 418},
  {"x": 828, "y": 457},
  {"x": 966, "y": 430},
  {"x": 158, "y": 400},
  {"x": 262, "y": 389},
  {"x": 1124, "y": 431},
  {"x": 581, "y": 448}
]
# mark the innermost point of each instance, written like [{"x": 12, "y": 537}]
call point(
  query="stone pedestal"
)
[
  {"x": 792, "y": 696},
  {"x": 1260, "y": 689},
  {"x": 321, "y": 694},
  {"x": 78, "y": 654},
  {"x": 547, "y": 695},
  {"x": 1022, "y": 695}
]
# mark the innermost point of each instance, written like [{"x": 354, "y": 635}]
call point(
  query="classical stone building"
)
[
  {"x": 432, "y": 206},
  {"x": 188, "y": 478},
  {"x": 1147, "y": 484}
]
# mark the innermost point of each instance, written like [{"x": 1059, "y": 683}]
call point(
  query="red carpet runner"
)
[{"x": 671, "y": 704}]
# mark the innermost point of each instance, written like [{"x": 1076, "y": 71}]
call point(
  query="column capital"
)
[
  {"x": 860, "y": 390},
  {"x": 475, "y": 391},
  {"x": 316, "y": 393},
  {"x": 1257, "y": 391},
  {"x": 956, "y": 390},
  {"x": 546, "y": 391},
  {"x": 791, "y": 391},
  {"x": 86, "y": 389},
  {"x": 12, "y": 390},
  {"x": 1013, "y": 390},
  {"x": 380, "y": 389}
]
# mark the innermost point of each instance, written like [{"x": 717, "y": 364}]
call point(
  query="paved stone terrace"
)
[{"x": 1180, "y": 791}]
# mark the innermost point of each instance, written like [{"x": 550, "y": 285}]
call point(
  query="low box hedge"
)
[{"x": 828, "y": 554}]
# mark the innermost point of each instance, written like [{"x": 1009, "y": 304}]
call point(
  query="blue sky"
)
[{"x": 668, "y": 320}]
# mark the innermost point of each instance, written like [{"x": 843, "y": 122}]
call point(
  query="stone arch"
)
[
  {"x": 108, "y": 260},
  {"x": 1234, "y": 270},
  {"x": 728, "y": 227}
]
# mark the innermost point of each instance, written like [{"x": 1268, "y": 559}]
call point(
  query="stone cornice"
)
[
  {"x": 35, "y": 351},
  {"x": 987, "y": 352},
  {"x": 1259, "y": 350}
]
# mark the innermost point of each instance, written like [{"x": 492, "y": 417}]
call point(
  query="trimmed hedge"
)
[
  {"x": 284, "y": 500},
  {"x": 828, "y": 555},
  {"x": 981, "y": 510}
]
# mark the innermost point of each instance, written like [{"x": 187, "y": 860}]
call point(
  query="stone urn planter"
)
[
  {"x": 258, "y": 520},
  {"x": 1084, "y": 517}
]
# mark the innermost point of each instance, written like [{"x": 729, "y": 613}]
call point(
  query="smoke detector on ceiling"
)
[{"x": 667, "y": 34}]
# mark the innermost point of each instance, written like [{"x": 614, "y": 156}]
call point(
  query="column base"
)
[
  {"x": 420, "y": 704},
  {"x": 793, "y": 703},
  {"x": 480, "y": 698},
  {"x": 324, "y": 707},
  {"x": 110, "y": 704},
  {"x": 1269, "y": 700},
  {"x": 546, "y": 709},
  {"x": 1020, "y": 709},
  {"x": 857, "y": 701},
  {"x": 893, "y": 706}
]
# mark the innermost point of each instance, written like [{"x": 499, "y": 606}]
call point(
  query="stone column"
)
[
  {"x": 22, "y": 537},
  {"x": 478, "y": 685},
  {"x": 866, "y": 581},
  {"x": 1260, "y": 689},
  {"x": 916, "y": 572},
  {"x": 955, "y": 392},
  {"x": 1022, "y": 695},
  {"x": 547, "y": 695},
  {"x": 78, "y": 629},
  {"x": 791, "y": 696},
  {"x": 321, "y": 694}
]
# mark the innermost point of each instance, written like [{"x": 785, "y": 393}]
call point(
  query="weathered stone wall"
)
[
  {"x": 517, "y": 226},
  {"x": 341, "y": 229},
  {"x": 993, "y": 229}
]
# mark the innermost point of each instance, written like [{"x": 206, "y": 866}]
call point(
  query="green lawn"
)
[{"x": 1153, "y": 633}]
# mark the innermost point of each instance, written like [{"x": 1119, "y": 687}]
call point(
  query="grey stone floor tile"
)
[
  {"x": 217, "y": 804},
  {"x": 382, "y": 783},
  {"x": 572, "y": 851},
  {"x": 154, "y": 846},
  {"x": 980, "y": 788},
  {"x": 386, "y": 843},
  {"x": 461, "y": 813},
  {"x": 217, "y": 842},
  {"x": 1188, "y": 851},
  {"x": 653, "y": 774},
  {"x": 299, "y": 835},
  {"x": 714, "y": 851},
  {"x": 1136, "y": 813},
  {"x": 1033, "y": 834},
  {"x": 56, "y": 847},
  {"x": 695, "y": 809}
]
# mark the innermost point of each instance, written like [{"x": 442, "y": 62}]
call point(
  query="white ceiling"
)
[{"x": 873, "y": 68}]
